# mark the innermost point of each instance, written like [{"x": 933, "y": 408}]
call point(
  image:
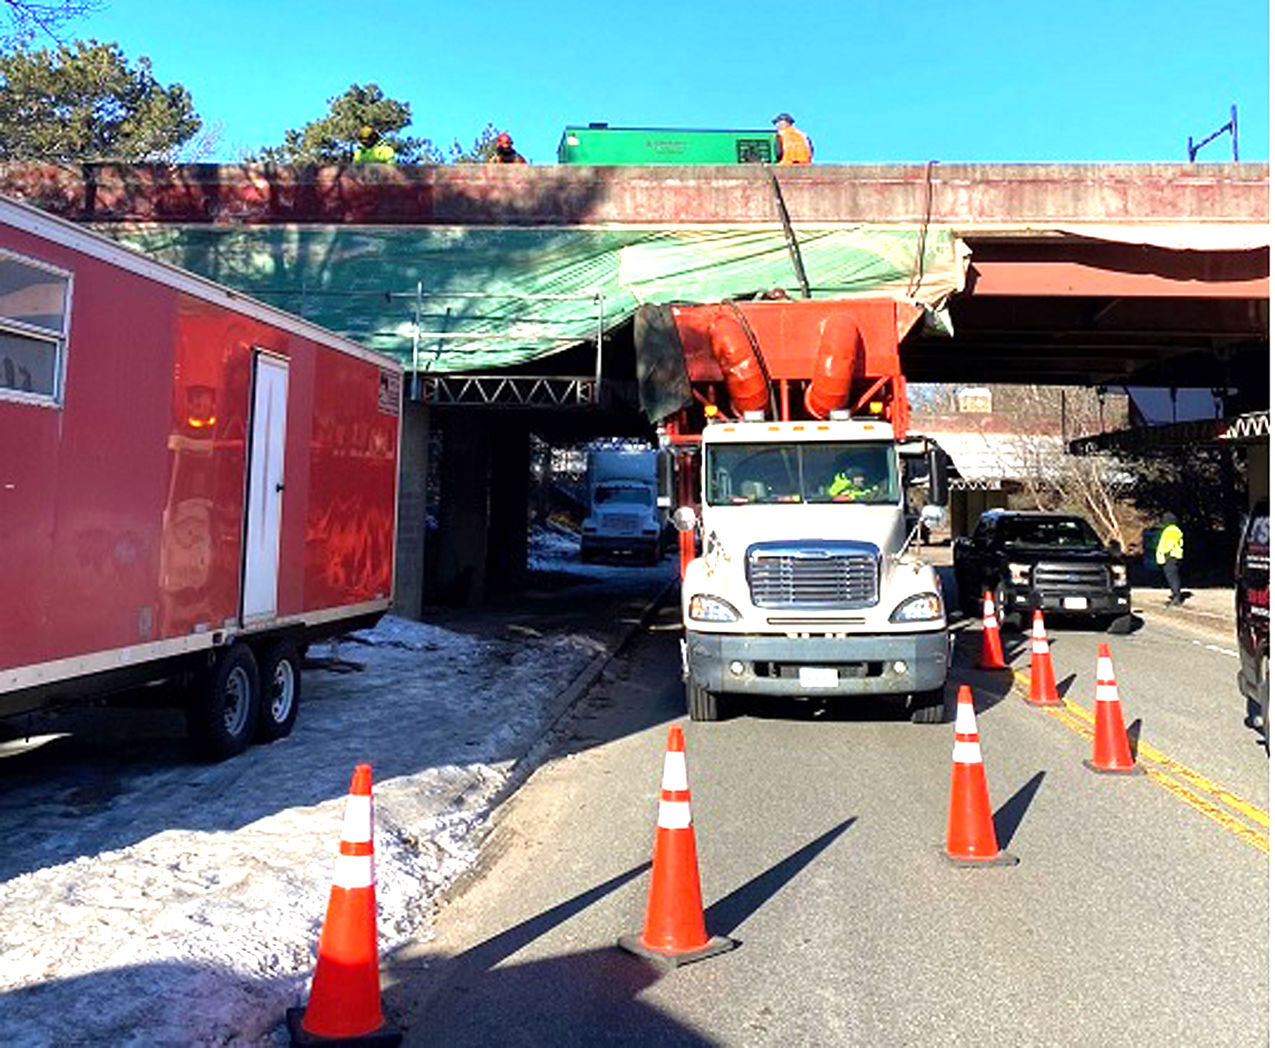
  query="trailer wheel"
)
[
  {"x": 221, "y": 714},
  {"x": 928, "y": 707},
  {"x": 280, "y": 691},
  {"x": 701, "y": 704}
]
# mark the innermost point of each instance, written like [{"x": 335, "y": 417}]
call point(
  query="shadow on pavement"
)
[
  {"x": 585, "y": 997},
  {"x": 1010, "y": 814},
  {"x": 732, "y": 910},
  {"x": 1134, "y": 734}
]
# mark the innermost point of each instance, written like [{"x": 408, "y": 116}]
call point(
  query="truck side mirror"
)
[
  {"x": 664, "y": 477},
  {"x": 684, "y": 518},
  {"x": 937, "y": 459}
]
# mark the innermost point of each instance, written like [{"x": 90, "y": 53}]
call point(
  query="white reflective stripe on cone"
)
[
  {"x": 674, "y": 815},
  {"x": 353, "y": 871},
  {"x": 1106, "y": 671},
  {"x": 966, "y": 724},
  {"x": 966, "y": 753},
  {"x": 675, "y": 771},
  {"x": 1040, "y": 646},
  {"x": 358, "y": 820},
  {"x": 1106, "y": 693}
]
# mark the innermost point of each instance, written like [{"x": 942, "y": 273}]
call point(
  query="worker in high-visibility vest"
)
[
  {"x": 371, "y": 150},
  {"x": 853, "y": 486},
  {"x": 791, "y": 145},
  {"x": 505, "y": 153},
  {"x": 1168, "y": 554}
]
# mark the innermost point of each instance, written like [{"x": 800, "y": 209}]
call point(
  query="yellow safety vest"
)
[
  {"x": 381, "y": 153},
  {"x": 1170, "y": 544}
]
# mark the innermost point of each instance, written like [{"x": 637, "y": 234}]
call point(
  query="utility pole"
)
[{"x": 1233, "y": 126}]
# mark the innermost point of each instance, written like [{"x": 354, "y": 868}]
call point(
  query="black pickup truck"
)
[{"x": 1051, "y": 561}]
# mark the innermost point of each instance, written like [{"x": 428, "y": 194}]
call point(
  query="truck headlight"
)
[
  {"x": 1119, "y": 575},
  {"x": 704, "y": 608},
  {"x": 1020, "y": 574},
  {"x": 924, "y": 607}
]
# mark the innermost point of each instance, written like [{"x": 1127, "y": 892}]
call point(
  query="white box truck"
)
[{"x": 624, "y": 517}]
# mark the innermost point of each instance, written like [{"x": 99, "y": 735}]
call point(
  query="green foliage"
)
[
  {"x": 332, "y": 139},
  {"x": 480, "y": 152},
  {"x": 84, "y": 102}
]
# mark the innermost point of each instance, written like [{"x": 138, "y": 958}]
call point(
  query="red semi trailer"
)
[{"x": 193, "y": 485}]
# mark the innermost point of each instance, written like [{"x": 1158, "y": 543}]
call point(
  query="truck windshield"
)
[
  {"x": 739, "y": 474},
  {"x": 1056, "y": 532},
  {"x": 625, "y": 494}
]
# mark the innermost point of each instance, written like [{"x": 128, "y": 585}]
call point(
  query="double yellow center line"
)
[{"x": 1246, "y": 820}]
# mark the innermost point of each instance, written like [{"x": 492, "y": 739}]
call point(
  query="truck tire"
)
[
  {"x": 1264, "y": 702},
  {"x": 701, "y": 704},
  {"x": 221, "y": 712},
  {"x": 1008, "y": 620},
  {"x": 928, "y": 707},
  {"x": 280, "y": 690}
]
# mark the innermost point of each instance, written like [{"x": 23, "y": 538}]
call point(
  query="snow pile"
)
[
  {"x": 183, "y": 905},
  {"x": 549, "y": 546}
]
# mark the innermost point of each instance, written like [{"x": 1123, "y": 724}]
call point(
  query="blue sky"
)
[{"x": 871, "y": 81}]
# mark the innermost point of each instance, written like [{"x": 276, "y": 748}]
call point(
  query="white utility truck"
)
[{"x": 808, "y": 581}]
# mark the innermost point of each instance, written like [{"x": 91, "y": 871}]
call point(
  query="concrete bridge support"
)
[
  {"x": 480, "y": 546},
  {"x": 409, "y": 549}
]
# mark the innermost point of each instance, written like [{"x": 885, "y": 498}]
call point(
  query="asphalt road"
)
[{"x": 1138, "y": 913}]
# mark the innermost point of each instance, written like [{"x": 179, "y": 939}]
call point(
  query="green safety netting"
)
[{"x": 453, "y": 299}]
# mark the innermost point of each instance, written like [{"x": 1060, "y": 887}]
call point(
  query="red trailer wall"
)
[{"x": 121, "y": 512}]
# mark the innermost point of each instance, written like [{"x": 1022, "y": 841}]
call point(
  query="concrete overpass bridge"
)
[{"x": 515, "y": 287}]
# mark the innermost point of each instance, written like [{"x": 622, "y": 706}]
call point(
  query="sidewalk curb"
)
[
  {"x": 588, "y": 676},
  {"x": 538, "y": 751}
]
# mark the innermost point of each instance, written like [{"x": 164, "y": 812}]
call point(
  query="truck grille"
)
[
  {"x": 1070, "y": 576},
  {"x": 621, "y": 523},
  {"x": 828, "y": 575}
]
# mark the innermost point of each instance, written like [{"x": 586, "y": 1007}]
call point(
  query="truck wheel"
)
[
  {"x": 701, "y": 703},
  {"x": 221, "y": 714},
  {"x": 1264, "y": 702},
  {"x": 1005, "y": 619},
  {"x": 928, "y": 707},
  {"x": 280, "y": 691}
]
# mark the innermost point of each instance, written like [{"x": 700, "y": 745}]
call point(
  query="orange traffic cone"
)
[
  {"x": 674, "y": 931},
  {"x": 992, "y": 657},
  {"x": 345, "y": 998},
  {"x": 1111, "y": 753},
  {"x": 971, "y": 835},
  {"x": 1044, "y": 692}
]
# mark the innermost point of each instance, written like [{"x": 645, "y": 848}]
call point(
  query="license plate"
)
[
  {"x": 817, "y": 676},
  {"x": 1075, "y": 603}
]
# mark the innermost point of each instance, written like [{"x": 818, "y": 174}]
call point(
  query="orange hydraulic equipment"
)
[{"x": 786, "y": 360}]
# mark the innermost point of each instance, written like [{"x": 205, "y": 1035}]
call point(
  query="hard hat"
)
[
  {"x": 366, "y": 132},
  {"x": 504, "y": 139},
  {"x": 783, "y": 116}
]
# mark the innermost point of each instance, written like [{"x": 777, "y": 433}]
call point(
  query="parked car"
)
[
  {"x": 1051, "y": 561},
  {"x": 1253, "y": 616}
]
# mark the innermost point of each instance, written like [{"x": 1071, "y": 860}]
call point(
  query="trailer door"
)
[{"x": 265, "y": 487}]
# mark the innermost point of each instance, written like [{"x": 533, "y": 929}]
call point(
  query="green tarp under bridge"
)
[{"x": 472, "y": 299}]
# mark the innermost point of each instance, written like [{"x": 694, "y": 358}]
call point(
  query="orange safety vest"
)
[{"x": 795, "y": 146}]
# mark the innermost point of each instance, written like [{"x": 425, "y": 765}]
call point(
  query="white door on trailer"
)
[{"x": 265, "y": 487}]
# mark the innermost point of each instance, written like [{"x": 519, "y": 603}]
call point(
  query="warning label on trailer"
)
[{"x": 390, "y": 392}]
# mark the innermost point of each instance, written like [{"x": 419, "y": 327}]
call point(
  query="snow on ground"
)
[{"x": 164, "y": 903}]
